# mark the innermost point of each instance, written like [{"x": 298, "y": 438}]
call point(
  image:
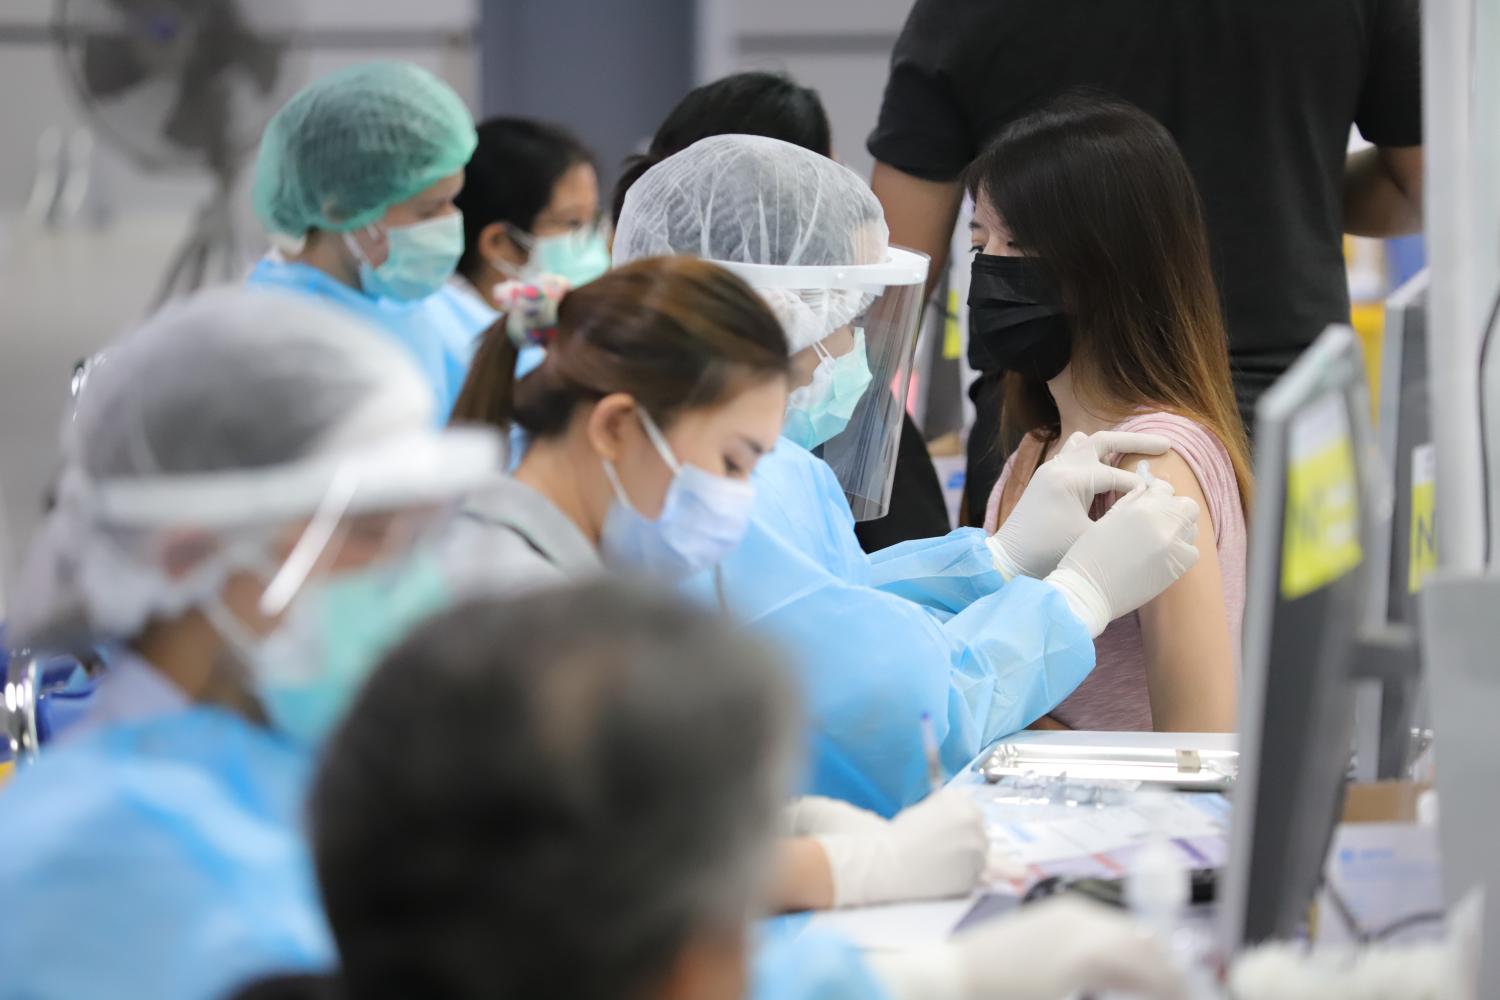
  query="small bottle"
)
[
  {"x": 1157, "y": 887},
  {"x": 1158, "y": 891}
]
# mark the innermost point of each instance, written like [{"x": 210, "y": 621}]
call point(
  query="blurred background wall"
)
[{"x": 609, "y": 69}]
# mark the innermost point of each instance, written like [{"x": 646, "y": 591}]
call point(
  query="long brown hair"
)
[
  {"x": 677, "y": 333},
  {"x": 1097, "y": 190}
]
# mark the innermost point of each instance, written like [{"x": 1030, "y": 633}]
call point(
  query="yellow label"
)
[
  {"x": 953, "y": 336},
  {"x": 1320, "y": 538},
  {"x": 1368, "y": 321},
  {"x": 1423, "y": 554},
  {"x": 6, "y": 767}
]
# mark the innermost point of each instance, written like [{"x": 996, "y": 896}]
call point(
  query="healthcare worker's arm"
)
[
  {"x": 852, "y": 857},
  {"x": 946, "y": 574},
  {"x": 1059, "y": 948},
  {"x": 811, "y": 965},
  {"x": 871, "y": 662},
  {"x": 803, "y": 877},
  {"x": 949, "y": 573}
]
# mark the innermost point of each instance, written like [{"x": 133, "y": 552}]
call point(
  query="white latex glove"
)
[
  {"x": 1053, "y": 513},
  {"x": 935, "y": 849},
  {"x": 1045, "y": 951},
  {"x": 1131, "y": 554},
  {"x": 814, "y": 814}
]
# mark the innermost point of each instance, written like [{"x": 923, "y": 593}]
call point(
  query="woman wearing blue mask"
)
[
  {"x": 934, "y": 626},
  {"x": 663, "y": 384},
  {"x": 247, "y": 481},
  {"x": 356, "y": 183}
]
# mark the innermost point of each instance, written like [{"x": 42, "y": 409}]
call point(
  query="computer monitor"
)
[
  {"x": 1404, "y": 430},
  {"x": 1312, "y": 523},
  {"x": 1391, "y": 703}
]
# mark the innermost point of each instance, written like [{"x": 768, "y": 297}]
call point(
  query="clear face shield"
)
[
  {"x": 309, "y": 572},
  {"x": 853, "y": 331}
]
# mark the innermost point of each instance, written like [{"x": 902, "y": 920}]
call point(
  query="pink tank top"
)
[{"x": 1114, "y": 696}]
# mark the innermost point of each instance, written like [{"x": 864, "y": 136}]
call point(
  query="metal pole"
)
[{"x": 1456, "y": 303}]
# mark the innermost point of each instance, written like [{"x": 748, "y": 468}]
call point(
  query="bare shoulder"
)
[{"x": 1172, "y": 467}]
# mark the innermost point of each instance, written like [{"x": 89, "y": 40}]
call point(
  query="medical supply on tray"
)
[{"x": 1184, "y": 770}]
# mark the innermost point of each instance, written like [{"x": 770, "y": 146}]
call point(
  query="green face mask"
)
[
  {"x": 821, "y": 409},
  {"x": 421, "y": 257},
  {"x": 309, "y": 670},
  {"x": 579, "y": 256}
]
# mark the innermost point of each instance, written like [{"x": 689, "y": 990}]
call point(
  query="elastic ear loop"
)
[
  {"x": 658, "y": 441},
  {"x": 371, "y": 230}
]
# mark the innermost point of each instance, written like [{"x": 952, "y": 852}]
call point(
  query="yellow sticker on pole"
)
[
  {"x": 1320, "y": 537},
  {"x": 1423, "y": 556},
  {"x": 953, "y": 334}
]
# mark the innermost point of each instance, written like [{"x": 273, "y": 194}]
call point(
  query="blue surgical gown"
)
[
  {"x": 161, "y": 858},
  {"x": 876, "y": 641},
  {"x": 799, "y": 964},
  {"x": 440, "y": 331}
]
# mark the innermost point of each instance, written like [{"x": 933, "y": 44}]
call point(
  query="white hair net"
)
[
  {"x": 810, "y": 237},
  {"x": 743, "y": 199},
  {"x": 228, "y": 415}
]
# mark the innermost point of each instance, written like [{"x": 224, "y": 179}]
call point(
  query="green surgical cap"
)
[{"x": 354, "y": 143}]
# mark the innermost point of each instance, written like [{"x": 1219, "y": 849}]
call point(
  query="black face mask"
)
[{"x": 1015, "y": 324}]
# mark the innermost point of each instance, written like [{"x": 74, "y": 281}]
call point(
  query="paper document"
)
[
  {"x": 1087, "y": 831},
  {"x": 895, "y": 926},
  {"x": 1390, "y": 877}
]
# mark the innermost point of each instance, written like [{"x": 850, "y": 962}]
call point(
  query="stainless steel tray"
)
[{"x": 1186, "y": 770}]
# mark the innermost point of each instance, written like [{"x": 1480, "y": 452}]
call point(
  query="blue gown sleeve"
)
[
  {"x": 946, "y": 574},
  {"x": 460, "y": 318},
  {"x": 159, "y": 861},
  {"x": 809, "y": 965},
  {"x": 439, "y": 331},
  {"x": 873, "y": 650}
]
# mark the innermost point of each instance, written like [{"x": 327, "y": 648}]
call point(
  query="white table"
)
[{"x": 905, "y": 925}]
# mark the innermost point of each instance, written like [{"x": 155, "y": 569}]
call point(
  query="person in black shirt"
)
[
  {"x": 1260, "y": 97},
  {"x": 772, "y": 105}
]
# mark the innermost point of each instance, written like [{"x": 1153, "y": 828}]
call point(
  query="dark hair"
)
[
  {"x": 1097, "y": 190},
  {"x": 549, "y": 797},
  {"x": 677, "y": 333},
  {"x": 320, "y": 986},
  {"x": 769, "y": 104},
  {"x": 511, "y": 176}
]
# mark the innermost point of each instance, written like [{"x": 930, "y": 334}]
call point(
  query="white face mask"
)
[{"x": 702, "y": 521}]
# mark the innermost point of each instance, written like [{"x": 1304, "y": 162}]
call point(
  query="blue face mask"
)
[
  {"x": 821, "y": 409},
  {"x": 702, "y": 520},
  {"x": 308, "y": 671},
  {"x": 420, "y": 258}
]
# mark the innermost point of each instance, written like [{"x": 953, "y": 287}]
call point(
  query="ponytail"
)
[
  {"x": 675, "y": 333},
  {"x": 488, "y": 393},
  {"x": 529, "y": 317}
]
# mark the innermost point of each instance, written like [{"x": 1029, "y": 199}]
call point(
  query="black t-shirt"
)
[{"x": 1260, "y": 95}]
